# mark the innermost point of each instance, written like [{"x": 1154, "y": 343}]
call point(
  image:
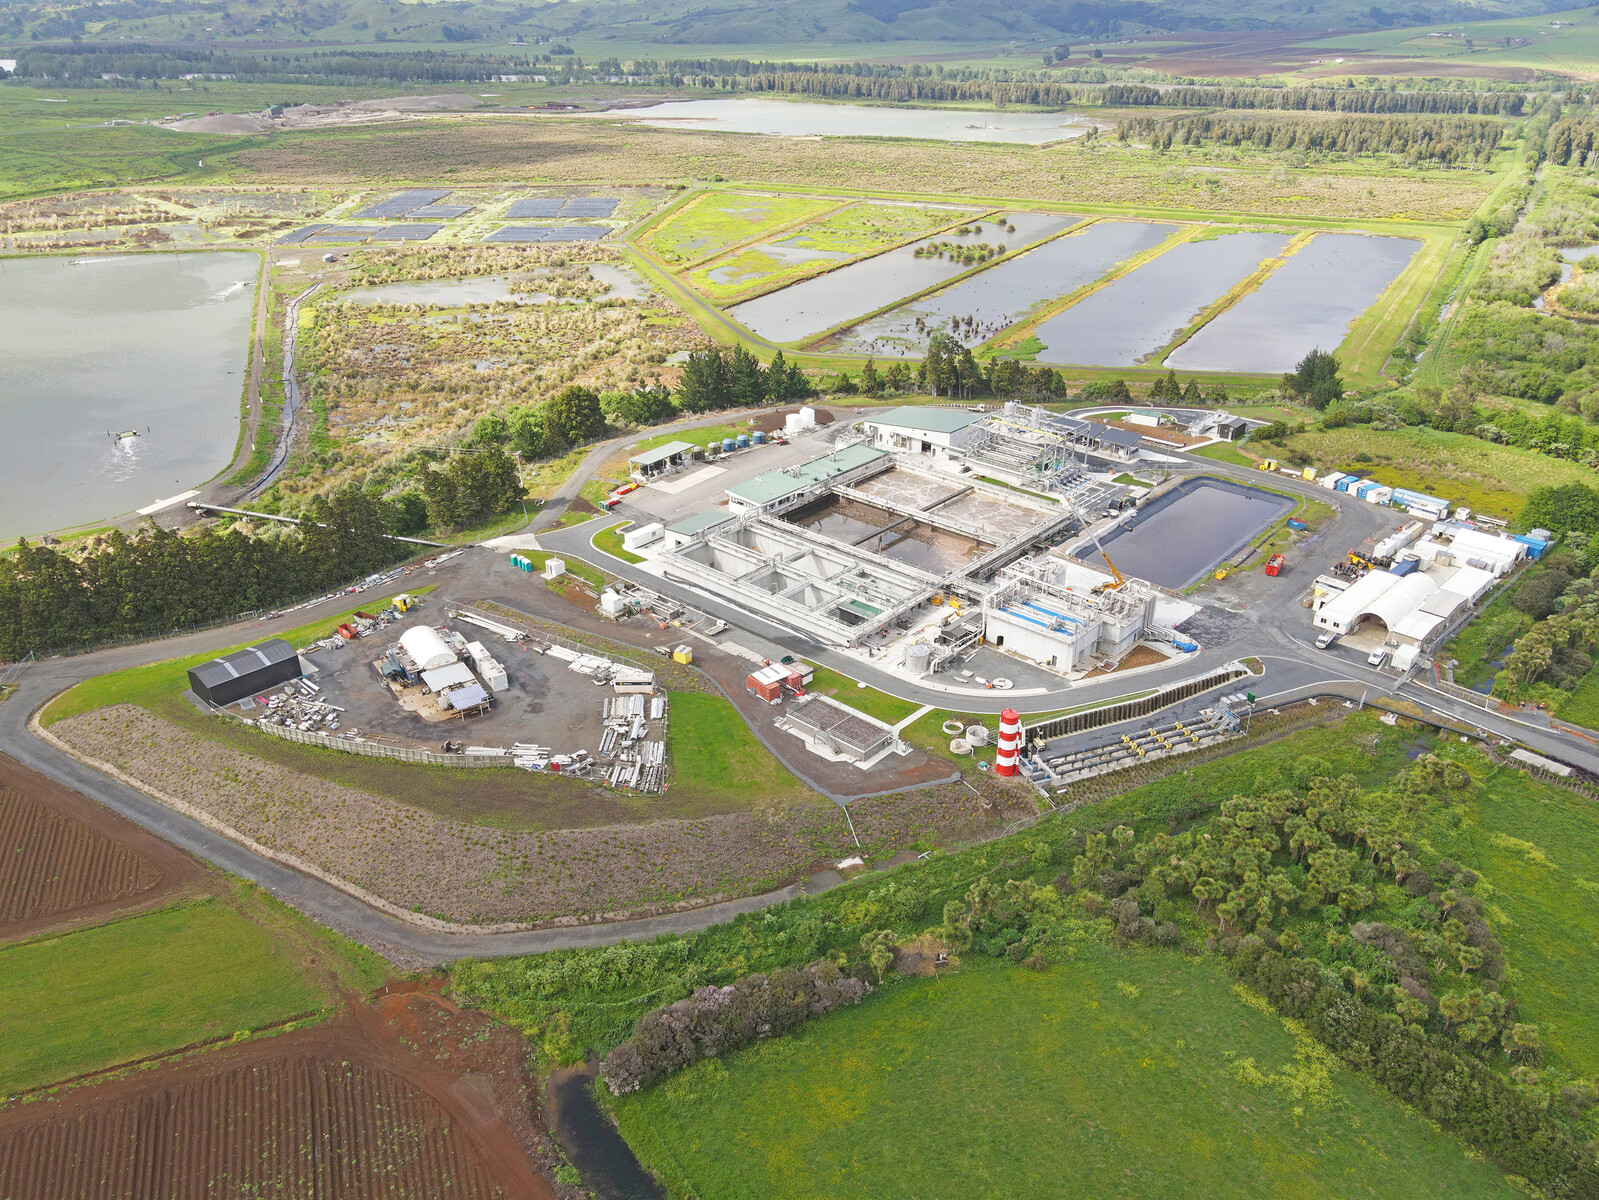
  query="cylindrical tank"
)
[
  {"x": 807, "y": 416},
  {"x": 977, "y": 735},
  {"x": 742, "y": 441},
  {"x": 758, "y": 438},
  {"x": 712, "y": 449},
  {"x": 729, "y": 445},
  {"x": 919, "y": 658}
]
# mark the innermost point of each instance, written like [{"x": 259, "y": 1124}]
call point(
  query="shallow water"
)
[
  {"x": 151, "y": 342},
  {"x": 802, "y": 119},
  {"x": 1307, "y": 304},
  {"x": 1184, "y": 534},
  {"x": 1145, "y": 309},
  {"x": 1003, "y": 295},
  {"x": 806, "y": 309}
]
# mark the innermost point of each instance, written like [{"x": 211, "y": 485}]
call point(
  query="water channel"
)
[
  {"x": 1306, "y": 304},
  {"x": 808, "y": 119},
  {"x": 1003, "y": 295},
  {"x": 1145, "y": 309},
  {"x": 806, "y": 309},
  {"x": 92, "y": 348}
]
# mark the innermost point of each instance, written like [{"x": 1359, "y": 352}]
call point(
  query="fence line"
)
[{"x": 379, "y": 750}]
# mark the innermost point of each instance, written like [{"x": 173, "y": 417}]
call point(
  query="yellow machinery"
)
[
  {"x": 1360, "y": 560},
  {"x": 1118, "y": 578},
  {"x": 1268, "y": 464}
]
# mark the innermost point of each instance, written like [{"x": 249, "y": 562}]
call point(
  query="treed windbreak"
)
[
  {"x": 1452, "y": 141},
  {"x": 157, "y": 582}
]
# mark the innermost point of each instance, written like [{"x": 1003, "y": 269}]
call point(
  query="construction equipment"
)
[{"x": 1274, "y": 564}]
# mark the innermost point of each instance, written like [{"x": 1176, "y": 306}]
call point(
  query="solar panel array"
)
[
  {"x": 523, "y": 209},
  {"x": 446, "y": 212},
  {"x": 589, "y": 207},
  {"x": 296, "y": 236},
  {"x": 402, "y": 205},
  {"x": 356, "y": 233},
  {"x": 548, "y": 233}
]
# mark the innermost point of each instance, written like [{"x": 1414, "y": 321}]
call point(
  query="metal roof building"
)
[
  {"x": 661, "y": 459},
  {"x": 787, "y": 486},
  {"x": 245, "y": 672}
]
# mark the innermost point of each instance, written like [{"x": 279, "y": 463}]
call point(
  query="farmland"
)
[{"x": 1106, "y": 1074}]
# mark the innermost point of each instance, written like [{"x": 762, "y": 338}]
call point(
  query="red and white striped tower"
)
[{"x": 1009, "y": 742}]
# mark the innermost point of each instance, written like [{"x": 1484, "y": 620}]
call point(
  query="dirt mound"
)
[
  {"x": 64, "y": 859},
  {"x": 443, "y": 103},
  {"x": 407, "y": 1097},
  {"x": 238, "y": 123}
]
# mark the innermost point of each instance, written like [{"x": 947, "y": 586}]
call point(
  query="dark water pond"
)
[
  {"x": 1178, "y": 538},
  {"x": 609, "y": 1168},
  {"x": 806, "y": 309},
  {"x": 1004, "y": 294},
  {"x": 1307, "y": 304},
  {"x": 1142, "y": 311}
]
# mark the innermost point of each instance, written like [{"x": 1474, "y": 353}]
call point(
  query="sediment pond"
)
[
  {"x": 1145, "y": 309},
  {"x": 1306, "y": 304},
  {"x": 802, "y": 119},
  {"x": 1004, "y": 294},
  {"x": 806, "y": 309},
  {"x": 92, "y": 348}
]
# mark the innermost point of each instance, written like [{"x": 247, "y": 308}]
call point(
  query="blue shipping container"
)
[
  {"x": 1344, "y": 484},
  {"x": 1408, "y": 566},
  {"x": 1366, "y": 488}
]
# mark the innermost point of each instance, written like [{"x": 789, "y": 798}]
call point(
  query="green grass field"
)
[
  {"x": 1225, "y": 452},
  {"x": 98, "y": 997},
  {"x": 714, "y": 222},
  {"x": 1130, "y": 1074},
  {"x": 869, "y": 700},
  {"x": 609, "y": 541},
  {"x": 1539, "y": 847},
  {"x": 715, "y": 754}
]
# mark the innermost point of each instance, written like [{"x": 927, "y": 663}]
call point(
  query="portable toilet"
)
[
  {"x": 1268, "y": 464},
  {"x": 1309, "y": 473},
  {"x": 683, "y": 654}
]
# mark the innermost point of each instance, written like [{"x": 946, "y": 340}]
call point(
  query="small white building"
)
[{"x": 426, "y": 648}]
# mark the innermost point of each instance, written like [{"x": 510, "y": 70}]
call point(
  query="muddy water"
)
[
  {"x": 1142, "y": 311},
  {"x": 883, "y": 532},
  {"x": 609, "y": 1168},
  {"x": 804, "y": 310},
  {"x": 1306, "y": 304},
  {"x": 801, "y": 119},
  {"x": 97, "y": 346},
  {"x": 1002, "y": 295},
  {"x": 1181, "y": 536}
]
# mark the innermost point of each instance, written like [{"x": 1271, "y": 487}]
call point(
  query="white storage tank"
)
[
  {"x": 792, "y": 423},
  {"x": 633, "y": 539},
  {"x": 919, "y": 658},
  {"x": 807, "y": 416}
]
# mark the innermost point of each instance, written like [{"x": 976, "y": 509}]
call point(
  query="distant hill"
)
[{"x": 789, "y": 24}]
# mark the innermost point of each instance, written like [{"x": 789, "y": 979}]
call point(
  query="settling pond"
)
[
  {"x": 1147, "y": 308},
  {"x": 814, "y": 306},
  {"x": 801, "y": 119},
  {"x": 1004, "y": 294},
  {"x": 1177, "y": 539},
  {"x": 1306, "y": 304},
  {"x": 154, "y": 343},
  {"x": 888, "y": 533}
]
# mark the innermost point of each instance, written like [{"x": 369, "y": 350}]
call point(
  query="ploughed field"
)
[
  {"x": 873, "y": 277},
  {"x": 405, "y": 1098},
  {"x": 65, "y": 859}
]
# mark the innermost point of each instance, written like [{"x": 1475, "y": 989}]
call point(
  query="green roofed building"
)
[
  {"x": 661, "y": 460},
  {"x": 773, "y": 491},
  {"x": 914, "y": 429}
]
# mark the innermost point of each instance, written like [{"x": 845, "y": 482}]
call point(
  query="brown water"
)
[{"x": 887, "y": 533}]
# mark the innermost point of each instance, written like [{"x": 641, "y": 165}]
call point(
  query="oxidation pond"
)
[
  {"x": 1142, "y": 311},
  {"x": 813, "y": 306},
  {"x": 1306, "y": 304},
  {"x": 1177, "y": 539},
  {"x": 1003, "y": 295},
  {"x": 802, "y": 119},
  {"x": 90, "y": 348}
]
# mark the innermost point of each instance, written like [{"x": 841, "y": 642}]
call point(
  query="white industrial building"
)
[
  {"x": 1415, "y": 609},
  {"x": 426, "y": 648},
  {"x": 913, "y": 429},
  {"x": 1033, "y": 613},
  {"x": 1453, "y": 545}
]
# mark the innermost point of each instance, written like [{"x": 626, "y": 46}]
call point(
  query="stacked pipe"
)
[{"x": 1008, "y": 743}]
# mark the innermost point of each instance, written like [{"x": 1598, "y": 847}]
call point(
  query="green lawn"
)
[
  {"x": 1224, "y": 452},
  {"x": 1119, "y": 1074},
  {"x": 869, "y": 700},
  {"x": 715, "y": 754},
  {"x": 1539, "y": 847},
  {"x": 717, "y": 221},
  {"x": 609, "y": 541},
  {"x": 97, "y": 997}
]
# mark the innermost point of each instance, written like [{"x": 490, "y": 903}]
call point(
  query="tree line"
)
[
  {"x": 1306, "y": 99},
  {"x": 1452, "y": 141},
  {"x": 156, "y": 581},
  {"x": 1571, "y": 141}
]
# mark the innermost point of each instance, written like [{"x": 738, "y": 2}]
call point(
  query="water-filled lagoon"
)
[
  {"x": 156, "y": 343},
  {"x": 1306, "y": 304},
  {"x": 801, "y": 119},
  {"x": 1004, "y": 294},
  {"x": 1178, "y": 538},
  {"x": 1144, "y": 309},
  {"x": 806, "y": 309}
]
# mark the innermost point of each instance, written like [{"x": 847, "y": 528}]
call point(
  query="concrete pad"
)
[
  {"x": 514, "y": 541},
  {"x": 679, "y": 483},
  {"x": 168, "y": 503}
]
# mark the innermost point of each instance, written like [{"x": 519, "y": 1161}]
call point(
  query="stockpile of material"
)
[{"x": 637, "y": 760}]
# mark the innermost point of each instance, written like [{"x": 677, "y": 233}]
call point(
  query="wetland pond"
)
[
  {"x": 452, "y": 293},
  {"x": 1307, "y": 304},
  {"x": 1003, "y": 295},
  {"x": 803, "y": 310},
  {"x": 801, "y": 119},
  {"x": 1145, "y": 309},
  {"x": 91, "y": 348}
]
